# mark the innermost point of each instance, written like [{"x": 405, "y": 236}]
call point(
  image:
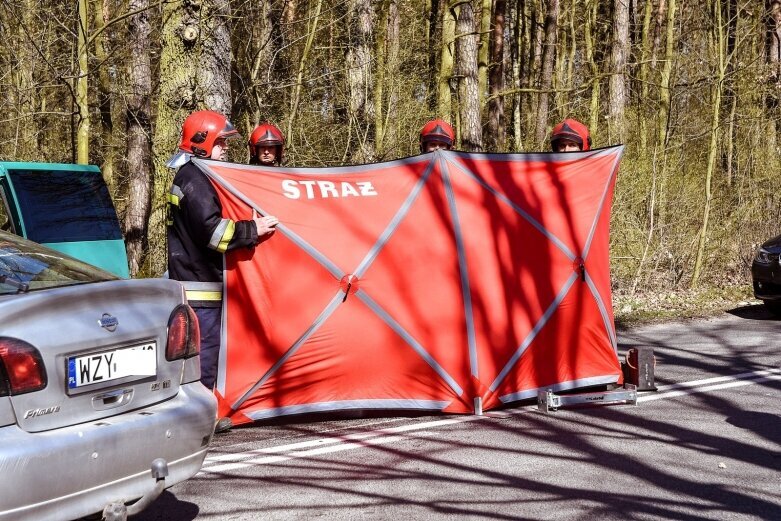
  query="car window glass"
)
[
  {"x": 25, "y": 266},
  {"x": 65, "y": 206},
  {"x": 6, "y": 223}
]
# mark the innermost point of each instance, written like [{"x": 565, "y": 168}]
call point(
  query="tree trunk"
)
[
  {"x": 546, "y": 77},
  {"x": 591, "y": 17},
  {"x": 214, "y": 78},
  {"x": 664, "y": 83},
  {"x": 645, "y": 53},
  {"x": 82, "y": 93},
  {"x": 658, "y": 28},
  {"x": 568, "y": 67},
  {"x": 721, "y": 70},
  {"x": 312, "y": 29},
  {"x": 191, "y": 34},
  {"x": 497, "y": 140},
  {"x": 665, "y": 97},
  {"x": 533, "y": 70},
  {"x": 379, "y": 82},
  {"x": 139, "y": 132},
  {"x": 518, "y": 22},
  {"x": 484, "y": 50},
  {"x": 773, "y": 50},
  {"x": 102, "y": 52},
  {"x": 468, "y": 84},
  {"x": 446, "y": 61},
  {"x": 434, "y": 38},
  {"x": 774, "y": 38},
  {"x": 391, "y": 132},
  {"x": 25, "y": 142},
  {"x": 359, "y": 79},
  {"x": 618, "y": 60},
  {"x": 730, "y": 87}
]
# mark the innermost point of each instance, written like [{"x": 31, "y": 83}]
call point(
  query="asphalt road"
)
[{"x": 706, "y": 445}]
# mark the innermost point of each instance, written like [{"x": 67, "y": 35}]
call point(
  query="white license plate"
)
[{"x": 140, "y": 360}]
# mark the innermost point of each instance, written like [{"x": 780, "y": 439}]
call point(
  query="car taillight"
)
[
  {"x": 184, "y": 337},
  {"x": 21, "y": 368}
]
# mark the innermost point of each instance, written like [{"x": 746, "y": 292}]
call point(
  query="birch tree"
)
[
  {"x": 618, "y": 61},
  {"x": 446, "y": 63},
  {"x": 359, "y": 79},
  {"x": 139, "y": 135},
  {"x": 468, "y": 85}
]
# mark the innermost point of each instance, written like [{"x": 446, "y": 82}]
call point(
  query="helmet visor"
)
[
  {"x": 228, "y": 132},
  {"x": 569, "y": 136}
]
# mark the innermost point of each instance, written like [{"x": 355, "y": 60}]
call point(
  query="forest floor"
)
[{"x": 643, "y": 308}]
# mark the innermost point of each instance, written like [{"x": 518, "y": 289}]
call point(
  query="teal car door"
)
[{"x": 67, "y": 208}]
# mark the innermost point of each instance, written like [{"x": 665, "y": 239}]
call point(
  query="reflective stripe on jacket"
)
[{"x": 203, "y": 291}]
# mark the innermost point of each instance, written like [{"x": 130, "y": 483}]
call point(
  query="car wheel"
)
[{"x": 773, "y": 307}]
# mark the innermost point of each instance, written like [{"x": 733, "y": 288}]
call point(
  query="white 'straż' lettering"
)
[
  {"x": 366, "y": 188},
  {"x": 310, "y": 193},
  {"x": 290, "y": 189},
  {"x": 348, "y": 189},
  {"x": 327, "y": 189}
]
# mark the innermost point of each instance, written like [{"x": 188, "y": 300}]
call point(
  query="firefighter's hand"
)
[{"x": 266, "y": 225}]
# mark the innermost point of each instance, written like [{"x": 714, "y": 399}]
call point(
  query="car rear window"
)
[
  {"x": 65, "y": 206},
  {"x": 26, "y": 266}
]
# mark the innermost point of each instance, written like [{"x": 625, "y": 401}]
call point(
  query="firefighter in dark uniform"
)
[
  {"x": 437, "y": 134},
  {"x": 266, "y": 144},
  {"x": 570, "y": 136},
  {"x": 198, "y": 235}
]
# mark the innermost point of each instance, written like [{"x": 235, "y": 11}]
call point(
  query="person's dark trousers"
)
[{"x": 209, "y": 320}]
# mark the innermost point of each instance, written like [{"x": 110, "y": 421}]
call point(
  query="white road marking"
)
[
  {"x": 264, "y": 456},
  {"x": 718, "y": 379},
  {"x": 339, "y": 439},
  {"x": 327, "y": 445},
  {"x": 712, "y": 384}
]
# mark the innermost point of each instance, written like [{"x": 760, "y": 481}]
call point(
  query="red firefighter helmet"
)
[
  {"x": 573, "y": 130},
  {"x": 437, "y": 130},
  {"x": 266, "y": 135},
  {"x": 201, "y": 129}
]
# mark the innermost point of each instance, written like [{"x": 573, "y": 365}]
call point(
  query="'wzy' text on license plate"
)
[{"x": 140, "y": 360}]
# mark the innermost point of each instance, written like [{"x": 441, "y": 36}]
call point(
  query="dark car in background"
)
[
  {"x": 100, "y": 396},
  {"x": 766, "y": 275}
]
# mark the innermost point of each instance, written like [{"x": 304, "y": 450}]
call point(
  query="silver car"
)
[{"x": 100, "y": 399}]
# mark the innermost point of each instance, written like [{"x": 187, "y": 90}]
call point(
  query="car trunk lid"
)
[{"x": 103, "y": 345}]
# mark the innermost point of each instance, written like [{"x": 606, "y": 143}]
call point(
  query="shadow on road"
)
[
  {"x": 753, "y": 312},
  {"x": 573, "y": 440},
  {"x": 612, "y": 464},
  {"x": 168, "y": 508},
  {"x": 763, "y": 424}
]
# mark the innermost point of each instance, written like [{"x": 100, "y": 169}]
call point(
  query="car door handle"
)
[{"x": 112, "y": 399}]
